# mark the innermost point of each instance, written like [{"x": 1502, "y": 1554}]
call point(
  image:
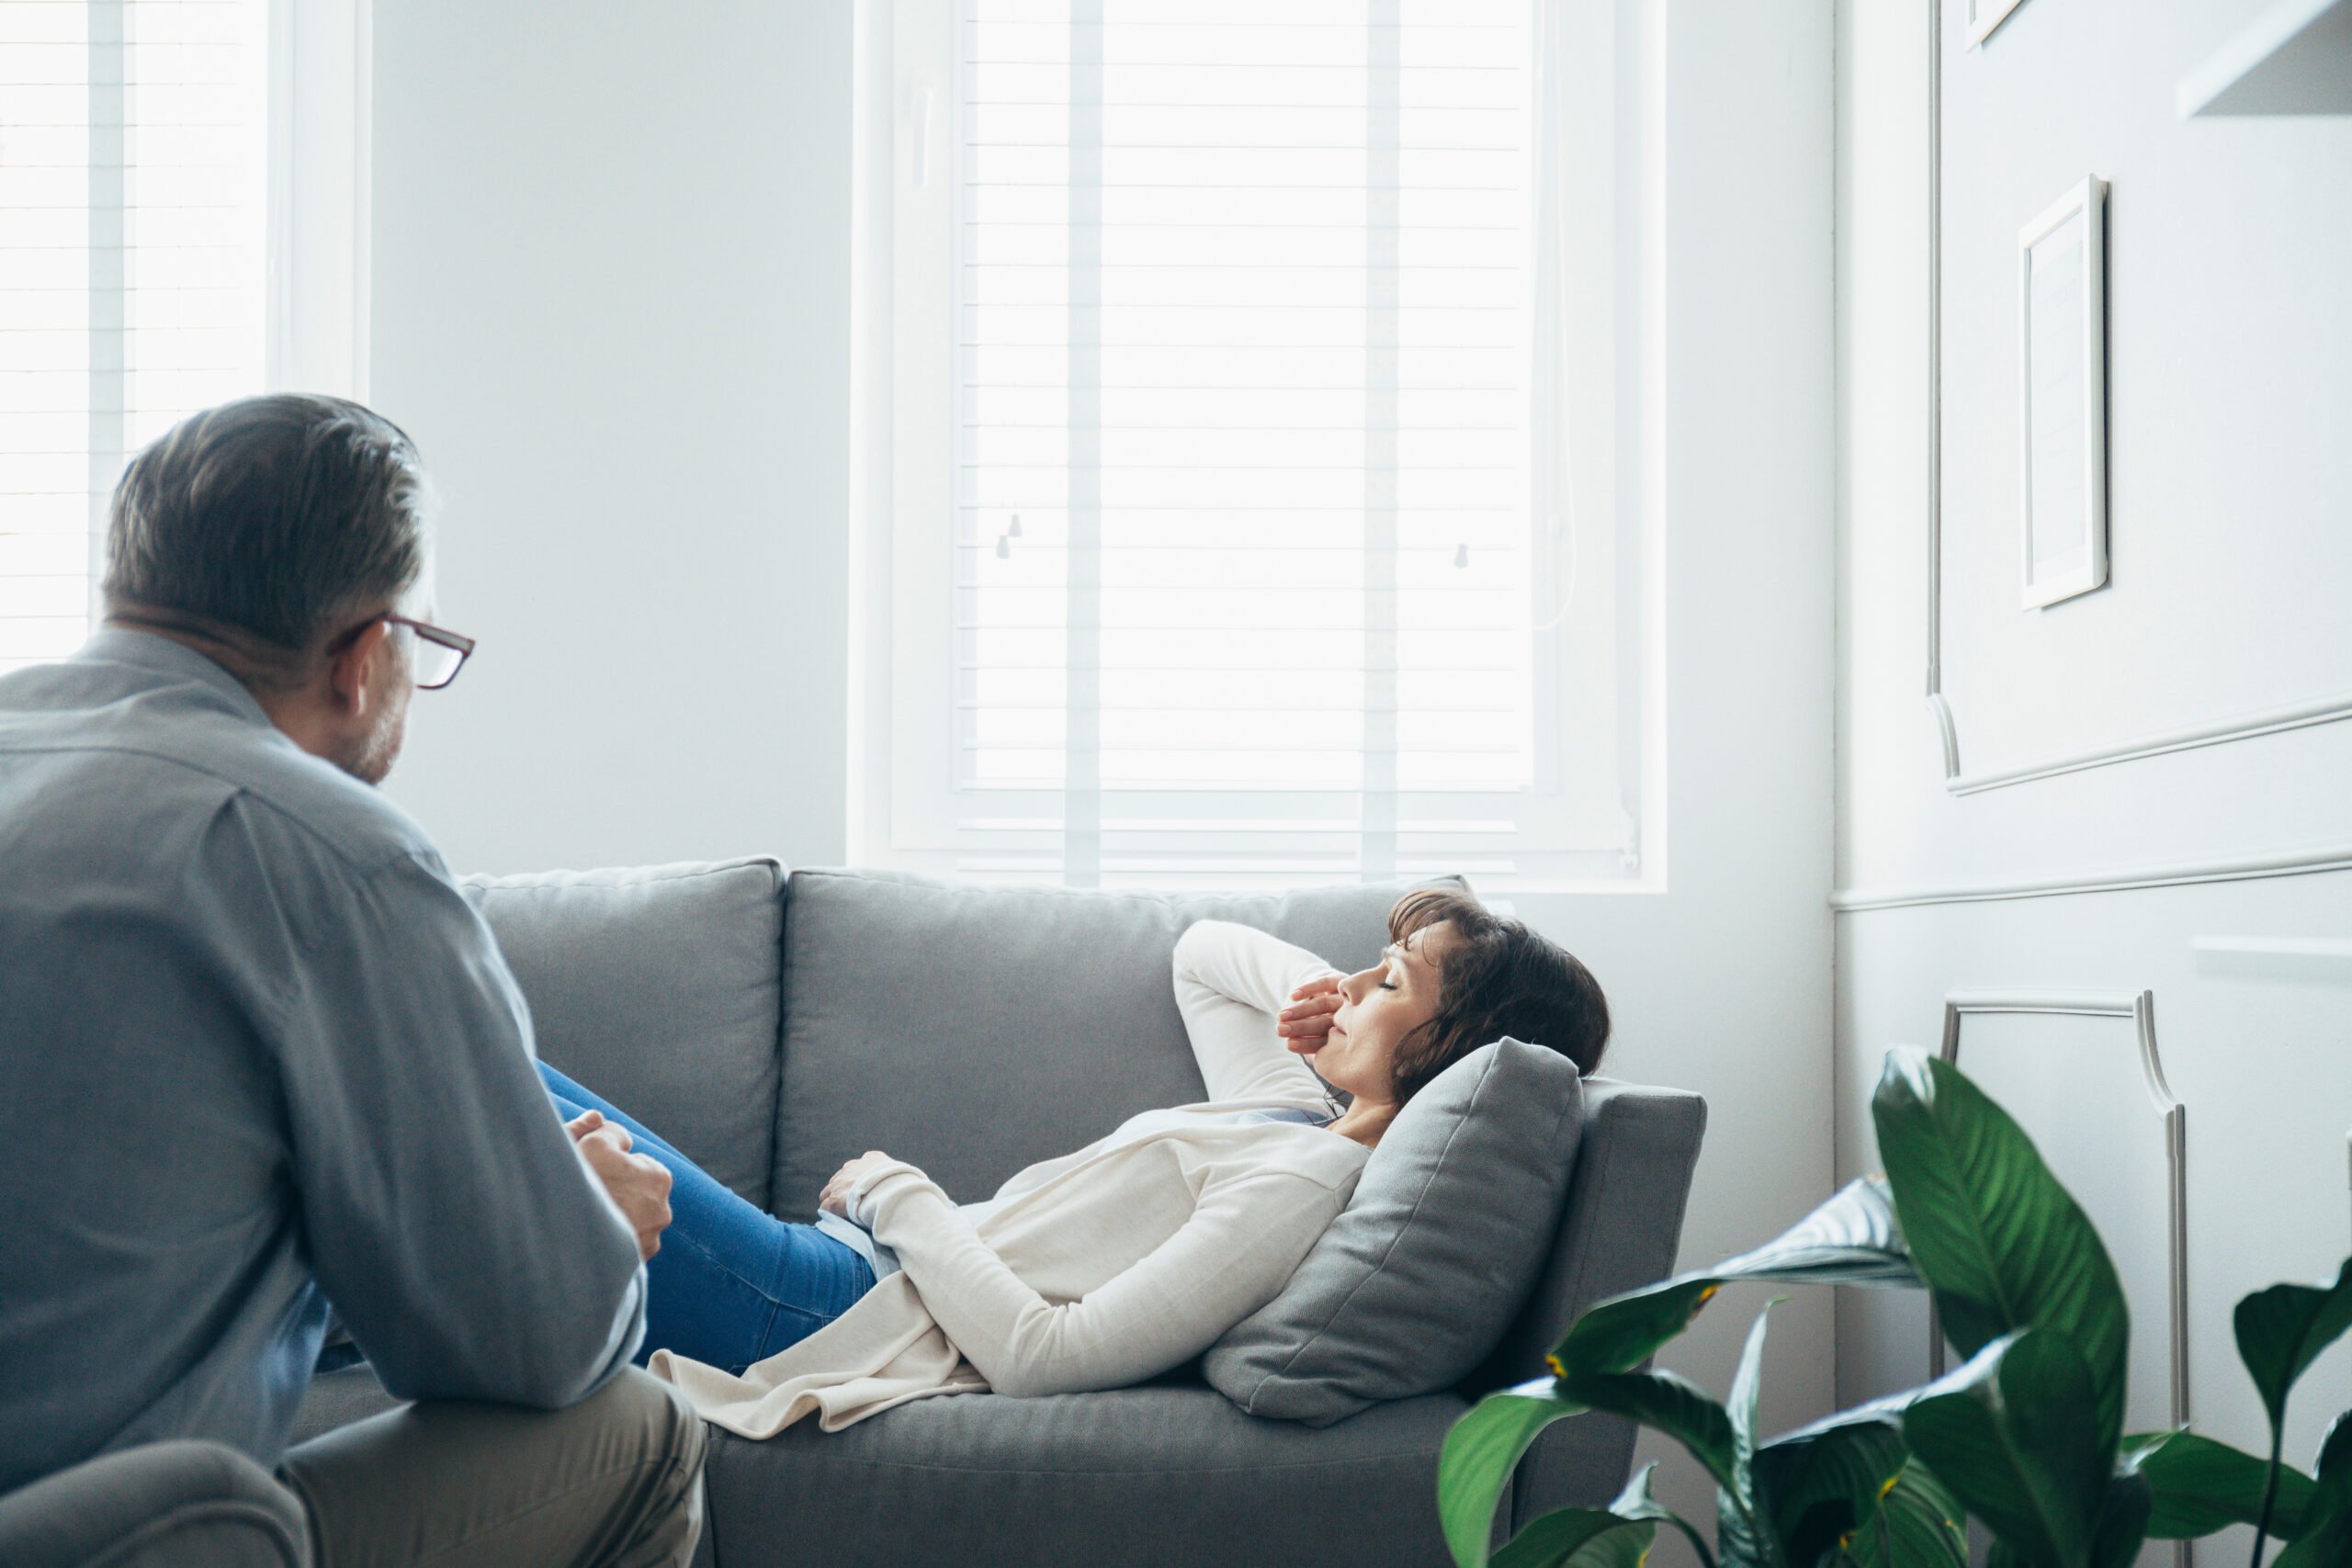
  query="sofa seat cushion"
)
[
  {"x": 657, "y": 987},
  {"x": 974, "y": 1030},
  {"x": 1160, "y": 1476},
  {"x": 1414, "y": 1283}
]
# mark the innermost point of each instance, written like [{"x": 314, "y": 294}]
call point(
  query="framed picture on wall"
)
[
  {"x": 2062, "y": 395},
  {"x": 1984, "y": 16}
]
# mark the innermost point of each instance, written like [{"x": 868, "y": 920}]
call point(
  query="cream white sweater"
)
[{"x": 1094, "y": 1270}]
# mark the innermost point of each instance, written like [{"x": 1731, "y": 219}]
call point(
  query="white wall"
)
[
  {"x": 611, "y": 302},
  {"x": 1722, "y": 984},
  {"x": 2229, "y": 371}
]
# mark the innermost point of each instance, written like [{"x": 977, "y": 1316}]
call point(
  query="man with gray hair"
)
[{"x": 258, "y": 1054}]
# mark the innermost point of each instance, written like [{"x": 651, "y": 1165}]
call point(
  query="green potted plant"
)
[{"x": 2027, "y": 1436}]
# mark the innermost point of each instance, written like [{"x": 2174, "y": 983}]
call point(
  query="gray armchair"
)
[{"x": 183, "y": 1505}]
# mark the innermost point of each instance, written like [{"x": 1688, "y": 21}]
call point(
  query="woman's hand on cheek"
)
[
  {"x": 1305, "y": 1024},
  {"x": 834, "y": 1199}
]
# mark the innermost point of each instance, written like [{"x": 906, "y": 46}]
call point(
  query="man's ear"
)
[{"x": 351, "y": 674}]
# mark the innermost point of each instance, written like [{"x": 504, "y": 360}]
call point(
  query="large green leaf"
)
[
  {"x": 1916, "y": 1524},
  {"x": 1670, "y": 1403},
  {"x": 1624, "y": 1331},
  {"x": 1740, "y": 1540},
  {"x": 2018, "y": 1444},
  {"x": 1480, "y": 1453},
  {"x": 2280, "y": 1332},
  {"x": 2200, "y": 1486},
  {"x": 2122, "y": 1520},
  {"x": 2326, "y": 1540},
  {"x": 2334, "y": 1469},
  {"x": 1579, "y": 1538},
  {"x": 1851, "y": 1240},
  {"x": 2282, "y": 1329},
  {"x": 1746, "y": 1391},
  {"x": 2326, "y": 1544},
  {"x": 2001, "y": 1245},
  {"x": 1816, "y": 1482},
  {"x": 1599, "y": 1537},
  {"x": 1635, "y": 1503},
  {"x": 1814, "y": 1486}
]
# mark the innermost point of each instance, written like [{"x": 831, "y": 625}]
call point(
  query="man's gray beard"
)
[{"x": 372, "y": 757}]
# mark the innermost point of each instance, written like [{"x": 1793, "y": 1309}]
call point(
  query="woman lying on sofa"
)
[{"x": 1133, "y": 1255}]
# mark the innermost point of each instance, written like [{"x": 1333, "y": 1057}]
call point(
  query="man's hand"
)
[
  {"x": 834, "y": 1199},
  {"x": 639, "y": 1186},
  {"x": 1306, "y": 1022}
]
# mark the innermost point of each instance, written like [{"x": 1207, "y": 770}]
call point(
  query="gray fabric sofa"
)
[{"x": 773, "y": 1027}]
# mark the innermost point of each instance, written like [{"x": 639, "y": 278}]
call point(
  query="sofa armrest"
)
[{"x": 1621, "y": 1229}]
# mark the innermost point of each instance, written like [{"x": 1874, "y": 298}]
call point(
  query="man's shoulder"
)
[
  {"x": 143, "y": 753},
  {"x": 318, "y": 803}
]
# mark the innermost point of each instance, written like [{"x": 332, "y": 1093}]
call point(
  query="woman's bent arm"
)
[
  {"x": 1231, "y": 982},
  {"x": 1233, "y": 1256}
]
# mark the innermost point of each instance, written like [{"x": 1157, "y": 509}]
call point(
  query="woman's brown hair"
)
[{"x": 1498, "y": 978}]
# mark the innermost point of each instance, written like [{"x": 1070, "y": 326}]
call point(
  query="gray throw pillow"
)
[{"x": 1435, "y": 1254}]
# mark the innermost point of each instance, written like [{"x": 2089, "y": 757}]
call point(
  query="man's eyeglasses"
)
[{"x": 437, "y": 654}]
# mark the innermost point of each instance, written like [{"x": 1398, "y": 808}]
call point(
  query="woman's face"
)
[{"x": 1379, "y": 1008}]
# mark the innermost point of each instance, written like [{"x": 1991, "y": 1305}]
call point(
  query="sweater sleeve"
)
[
  {"x": 1233, "y": 1256},
  {"x": 1231, "y": 981}
]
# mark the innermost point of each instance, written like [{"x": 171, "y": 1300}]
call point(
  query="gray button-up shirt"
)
[{"x": 258, "y": 1053}]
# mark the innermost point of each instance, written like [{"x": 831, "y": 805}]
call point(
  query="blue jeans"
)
[{"x": 732, "y": 1285}]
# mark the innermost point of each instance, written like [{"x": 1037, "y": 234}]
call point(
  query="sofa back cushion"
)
[
  {"x": 657, "y": 989},
  {"x": 978, "y": 1029},
  {"x": 1413, "y": 1285}
]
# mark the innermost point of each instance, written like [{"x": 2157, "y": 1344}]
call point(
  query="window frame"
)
[{"x": 907, "y": 302}]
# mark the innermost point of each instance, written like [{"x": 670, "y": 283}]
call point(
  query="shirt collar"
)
[{"x": 166, "y": 656}]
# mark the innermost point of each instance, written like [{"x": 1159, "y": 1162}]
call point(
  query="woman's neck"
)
[{"x": 1364, "y": 1120}]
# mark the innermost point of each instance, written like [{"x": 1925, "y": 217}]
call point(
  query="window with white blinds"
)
[
  {"x": 1253, "y": 558},
  {"x": 132, "y": 245}
]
